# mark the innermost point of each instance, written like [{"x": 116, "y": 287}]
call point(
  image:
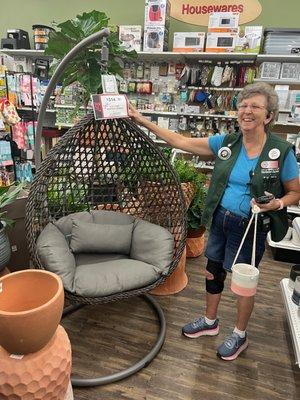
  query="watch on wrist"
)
[{"x": 281, "y": 205}]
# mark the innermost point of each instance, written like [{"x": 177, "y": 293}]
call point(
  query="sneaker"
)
[
  {"x": 200, "y": 328},
  {"x": 232, "y": 346}
]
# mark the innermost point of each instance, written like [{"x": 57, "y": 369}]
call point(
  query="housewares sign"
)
[{"x": 196, "y": 12}]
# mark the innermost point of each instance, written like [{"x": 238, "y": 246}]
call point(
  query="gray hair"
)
[{"x": 266, "y": 90}]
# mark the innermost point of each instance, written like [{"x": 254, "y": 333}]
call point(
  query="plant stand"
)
[{"x": 43, "y": 375}]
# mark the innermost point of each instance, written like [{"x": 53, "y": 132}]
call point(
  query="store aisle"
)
[{"x": 113, "y": 336}]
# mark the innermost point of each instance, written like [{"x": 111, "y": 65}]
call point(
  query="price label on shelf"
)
[{"x": 109, "y": 106}]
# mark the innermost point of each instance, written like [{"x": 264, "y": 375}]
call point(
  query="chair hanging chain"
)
[{"x": 104, "y": 55}]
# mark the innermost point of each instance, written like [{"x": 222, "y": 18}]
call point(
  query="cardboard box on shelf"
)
[
  {"x": 223, "y": 22},
  {"x": 131, "y": 37},
  {"x": 155, "y": 38},
  {"x": 157, "y": 12},
  {"x": 220, "y": 42},
  {"x": 249, "y": 39},
  {"x": 188, "y": 41}
]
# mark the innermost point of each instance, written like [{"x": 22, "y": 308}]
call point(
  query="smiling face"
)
[{"x": 253, "y": 114}]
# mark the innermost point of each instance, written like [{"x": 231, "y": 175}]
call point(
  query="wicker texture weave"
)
[{"x": 110, "y": 165}]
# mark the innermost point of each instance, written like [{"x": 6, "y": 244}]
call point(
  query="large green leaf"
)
[{"x": 59, "y": 45}]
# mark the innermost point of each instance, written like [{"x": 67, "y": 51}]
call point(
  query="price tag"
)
[
  {"x": 109, "y": 84},
  {"x": 110, "y": 106}
]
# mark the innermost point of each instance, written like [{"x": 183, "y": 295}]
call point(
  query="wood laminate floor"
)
[{"x": 110, "y": 337}]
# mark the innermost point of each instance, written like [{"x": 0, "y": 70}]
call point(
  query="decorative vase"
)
[
  {"x": 195, "y": 242},
  {"x": 31, "y": 305},
  {"x": 5, "y": 249},
  {"x": 44, "y": 375}
]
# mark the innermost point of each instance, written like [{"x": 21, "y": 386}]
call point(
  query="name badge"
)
[{"x": 269, "y": 164}]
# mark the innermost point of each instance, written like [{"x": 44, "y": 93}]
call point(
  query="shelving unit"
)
[{"x": 293, "y": 317}]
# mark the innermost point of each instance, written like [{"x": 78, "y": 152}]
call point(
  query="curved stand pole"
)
[
  {"x": 53, "y": 81},
  {"x": 140, "y": 364}
]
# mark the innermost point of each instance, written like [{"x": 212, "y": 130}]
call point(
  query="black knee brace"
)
[{"x": 216, "y": 285}]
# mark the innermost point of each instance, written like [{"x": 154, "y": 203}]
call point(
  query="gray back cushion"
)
[
  {"x": 65, "y": 224},
  {"x": 101, "y": 238},
  {"x": 55, "y": 255},
  {"x": 111, "y": 217},
  {"x": 152, "y": 244}
]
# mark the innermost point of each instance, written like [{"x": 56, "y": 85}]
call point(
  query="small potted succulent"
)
[{"x": 8, "y": 194}]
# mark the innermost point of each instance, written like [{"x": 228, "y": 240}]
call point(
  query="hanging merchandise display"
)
[{"x": 9, "y": 113}]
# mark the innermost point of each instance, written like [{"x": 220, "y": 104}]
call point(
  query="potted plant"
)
[
  {"x": 85, "y": 68},
  {"x": 195, "y": 193},
  {"x": 7, "y": 195}
]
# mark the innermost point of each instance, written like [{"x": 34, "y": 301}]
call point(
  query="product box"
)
[
  {"x": 220, "y": 42},
  {"x": 155, "y": 38},
  {"x": 131, "y": 37},
  {"x": 223, "y": 22},
  {"x": 157, "y": 12},
  {"x": 249, "y": 39},
  {"x": 188, "y": 42}
]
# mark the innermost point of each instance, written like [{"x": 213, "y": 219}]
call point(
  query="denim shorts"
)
[{"x": 227, "y": 231}]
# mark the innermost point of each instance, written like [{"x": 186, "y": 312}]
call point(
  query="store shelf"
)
[
  {"x": 174, "y": 56},
  {"x": 221, "y": 89},
  {"x": 25, "y": 53},
  {"x": 278, "y": 58},
  {"x": 168, "y": 113},
  {"x": 293, "y": 317},
  {"x": 293, "y": 209},
  {"x": 278, "y": 81},
  {"x": 165, "y": 113},
  {"x": 63, "y": 125},
  {"x": 287, "y": 124},
  {"x": 28, "y": 108}
]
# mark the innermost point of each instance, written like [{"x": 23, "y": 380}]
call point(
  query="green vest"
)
[{"x": 265, "y": 177}]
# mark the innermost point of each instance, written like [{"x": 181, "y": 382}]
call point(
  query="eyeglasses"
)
[{"x": 253, "y": 107}]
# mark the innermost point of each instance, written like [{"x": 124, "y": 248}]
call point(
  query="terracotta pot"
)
[
  {"x": 31, "y": 305},
  {"x": 44, "y": 375},
  {"x": 195, "y": 243}
]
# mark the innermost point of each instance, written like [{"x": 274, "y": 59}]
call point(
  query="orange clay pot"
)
[
  {"x": 44, "y": 375},
  {"x": 31, "y": 305}
]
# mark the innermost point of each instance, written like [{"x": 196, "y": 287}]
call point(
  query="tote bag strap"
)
[{"x": 255, "y": 211}]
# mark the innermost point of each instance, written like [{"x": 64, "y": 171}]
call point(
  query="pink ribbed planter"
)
[
  {"x": 31, "y": 305},
  {"x": 44, "y": 375}
]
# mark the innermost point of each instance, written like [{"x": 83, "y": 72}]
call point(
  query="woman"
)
[{"x": 248, "y": 165}]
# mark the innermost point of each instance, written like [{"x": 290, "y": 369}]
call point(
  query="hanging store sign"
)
[{"x": 196, "y": 12}]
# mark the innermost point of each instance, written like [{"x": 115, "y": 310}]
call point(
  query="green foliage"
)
[
  {"x": 69, "y": 195},
  {"x": 8, "y": 195},
  {"x": 85, "y": 67},
  {"x": 187, "y": 172}
]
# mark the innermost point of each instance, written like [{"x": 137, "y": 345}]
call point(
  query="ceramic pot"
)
[
  {"x": 296, "y": 292},
  {"x": 244, "y": 279},
  {"x": 5, "y": 249},
  {"x": 31, "y": 305},
  {"x": 44, "y": 375}
]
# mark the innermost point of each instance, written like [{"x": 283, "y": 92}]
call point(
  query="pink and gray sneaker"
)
[
  {"x": 199, "y": 328},
  {"x": 232, "y": 347}
]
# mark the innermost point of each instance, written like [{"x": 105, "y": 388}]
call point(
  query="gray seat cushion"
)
[
  {"x": 86, "y": 259},
  {"x": 96, "y": 275},
  {"x": 110, "y": 277}
]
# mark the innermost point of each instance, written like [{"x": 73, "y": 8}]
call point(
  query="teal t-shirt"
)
[{"x": 236, "y": 197}]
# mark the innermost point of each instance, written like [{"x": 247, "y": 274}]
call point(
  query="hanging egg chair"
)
[{"x": 106, "y": 178}]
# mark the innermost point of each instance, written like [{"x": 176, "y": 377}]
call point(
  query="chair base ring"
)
[{"x": 144, "y": 362}]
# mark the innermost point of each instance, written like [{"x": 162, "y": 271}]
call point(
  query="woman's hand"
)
[
  {"x": 135, "y": 115},
  {"x": 273, "y": 204}
]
